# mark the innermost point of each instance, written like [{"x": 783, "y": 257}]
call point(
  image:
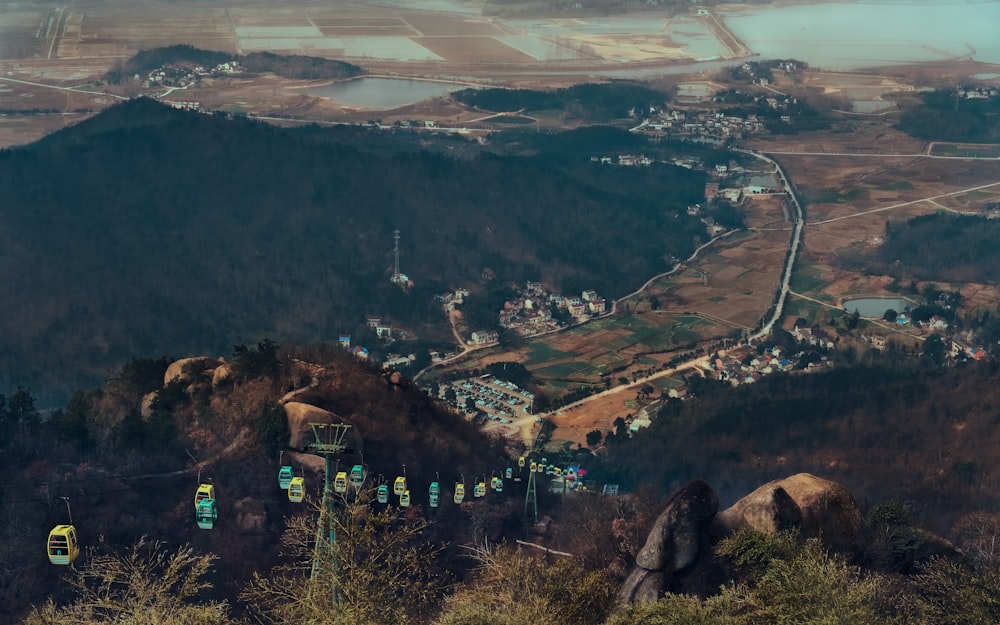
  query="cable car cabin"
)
[
  {"x": 496, "y": 484},
  {"x": 297, "y": 490},
  {"x": 434, "y": 493},
  {"x": 205, "y": 491},
  {"x": 399, "y": 486},
  {"x": 520, "y": 462},
  {"x": 479, "y": 490},
  {"x": 63, "y": 546},
  {"x": 509, "y": 473},
  {"x": 404, "y": 499},
  {"x": 383, "y": 493},
  {"x": 534, "y": 467},
  {"x": 285, "y": 475},
  {"x": 340, "y": 482},
  {"x": 459, "y": 493},
  {"x": 357, "y": 477},
  {"x": 206, "y": 514},
  {"x": 557, "y": 471}
]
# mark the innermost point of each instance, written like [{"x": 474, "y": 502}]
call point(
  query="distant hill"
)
[
  {"x": 289, "y": 66},
  {"x": 597, "y": 102},
  {"x": 151, "y": 231}
]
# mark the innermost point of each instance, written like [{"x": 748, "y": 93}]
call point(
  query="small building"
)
[
  {"x": 372, "y": 321},
  {"x": 484, "y": 337},
  {"x": 345, "y": 341}
]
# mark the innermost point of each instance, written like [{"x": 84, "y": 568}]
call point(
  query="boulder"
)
[
  {"x": 817, "y": 507},
  {"x": 675, "y": 539},
  {"x": 221, "y": 374},
  {"x": 187, "y": 369},
  {"x": 251, "y": 515},
  {"x": 641, "y": 586},
  {"x": 146, "y": 406},
  {"x": 300, "y": 416}
]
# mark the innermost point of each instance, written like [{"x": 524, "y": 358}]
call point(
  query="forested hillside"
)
[
  {"x": 923, "y": 436},
  {"x": 150, "y": 231},
  {"x": 947, "y": 116},
  {"x": 587, "y": 102},
  {"x": 944, "y": 247}
]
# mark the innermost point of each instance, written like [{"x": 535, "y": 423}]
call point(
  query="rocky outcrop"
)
[
  {"x": 189, "y": 369},
  {"x": 691, "y": 523},
  {"x": 817, "y": 507},
  {"x": 674, "y": 543},
  {"x": 251, "y": 515},
  {"x": 221, "y": 374},
  {"x": 300, "y": 416}
]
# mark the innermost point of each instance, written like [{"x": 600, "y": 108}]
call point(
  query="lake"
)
[
  {"x": 875, "y": 307},
  {"x": 382, "y": 94},
  {"x": 871, "y": 33}
]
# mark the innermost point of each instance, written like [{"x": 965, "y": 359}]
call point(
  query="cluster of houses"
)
[
  {"x": 977, "y": 92},
  {"x": 732, "y": 369},
  {"x": 179, "y": 76},
  {"x": 701, "y": 123},
  {"x": 531, "y": 312}
]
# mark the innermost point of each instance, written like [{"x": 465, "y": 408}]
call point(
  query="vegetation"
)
[
  {"x": 183, "y": 256},
  {"x": 948, "y": 116},
  {"x": 295, "y": 66},
  {"x": 586, "y": 102},
  {"x": 943, "y": 247}
]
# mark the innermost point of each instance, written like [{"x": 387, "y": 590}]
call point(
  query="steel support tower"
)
[{"x": 329, "y": 442}]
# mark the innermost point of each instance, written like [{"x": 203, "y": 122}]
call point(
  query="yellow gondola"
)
[
  {"x": 534, "y": 467},
  {"x": 63, "y": 546},
  {"x": 297, "y": 490},
  {"x": 340, "y": 482},
  {"x": 404, "y": 499},
  {"x": 496, "y": 484},
  {"x": 205, "y": 491},
  {"x": 399, "y": 486},
  {"x": 459, "y": 492},
  {"x": 479, "y": 490},
  {"x": 521, "y": 461}
]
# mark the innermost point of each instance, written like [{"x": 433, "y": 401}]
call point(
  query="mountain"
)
[{"x": 148, "y": 231}]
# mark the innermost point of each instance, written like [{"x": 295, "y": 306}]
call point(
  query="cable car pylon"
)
[{"x": 329, "y": 442}]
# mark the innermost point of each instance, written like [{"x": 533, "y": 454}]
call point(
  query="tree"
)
[
  {"x": 594, "y": 438},
  {"x": 250, "y": 362},
  {"x": 383, "y": 571},
  {"x": 890, "y": 315},
  {"x": 514, "y": 588},
  {"x": 145, "y": 584}
]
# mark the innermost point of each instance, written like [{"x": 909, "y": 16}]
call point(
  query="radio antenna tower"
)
[{"x": 395, "y": 253}]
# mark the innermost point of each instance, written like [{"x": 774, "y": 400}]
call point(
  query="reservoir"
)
[
  {"x": 872, "y": 33},
  {"x": 382, "y": 94},
  {"x": 875, "y": 307}
]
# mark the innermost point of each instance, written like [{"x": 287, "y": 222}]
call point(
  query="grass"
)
[
  {"x": 975, "y": 150},
  {"x": 899, "y": 185}
]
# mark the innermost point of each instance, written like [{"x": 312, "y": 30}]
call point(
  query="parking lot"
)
[{"x": 497, "y": 399}]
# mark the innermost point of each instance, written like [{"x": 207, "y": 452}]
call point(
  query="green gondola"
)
[
  {"x": 285, "y": 475},
  {"x": 206, "y": 514}
]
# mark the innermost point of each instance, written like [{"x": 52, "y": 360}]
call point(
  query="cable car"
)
[
  {"x": 509, "y": 473},
  {"x": 496, "y": 484},
  {"x": 404, "y": 499},
  {"x": 520, "y": 462},
  {"x": 479, "y": 490},
  {"x": 435, "y": 494},
  {"x": 285, "y": 475},
  {"x": 557, "y": 471},
  {"x": 63, "y": 546},
  {"x": 205, "y": 491},
  {"x": 534, "y": 467},
  {"x": 206, "y": 514},
  {"x": 459, "y": 492},
  {"x": 340, "y": 482},
  {"x": 357, "y": 477},
  {"x": 297, "y": 489},
  {"x": 383, "y": 493},
  {"x": 399, "y": 486}
]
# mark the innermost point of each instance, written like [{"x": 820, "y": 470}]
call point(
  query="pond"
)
[
  {"x": 875, "y": 307},
  {"x": 382, "y": 94}
]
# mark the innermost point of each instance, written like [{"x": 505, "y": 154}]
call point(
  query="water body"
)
[
  {"x": 875, "y": 307},
  {"x": 382, "y": 94},
  {"x": 871, "y": 33}
]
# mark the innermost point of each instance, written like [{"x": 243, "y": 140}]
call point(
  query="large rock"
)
[
  {"x": 675, "y": 538},
  {"x": 251, "y": 515},
  {"x": 221, "y": 374},
  {"x": 188, "y": 369},
  {"x": 641, "y": 586},
  {"x": 819, "y": 508},
  {"x": 301, "y": 416}
]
